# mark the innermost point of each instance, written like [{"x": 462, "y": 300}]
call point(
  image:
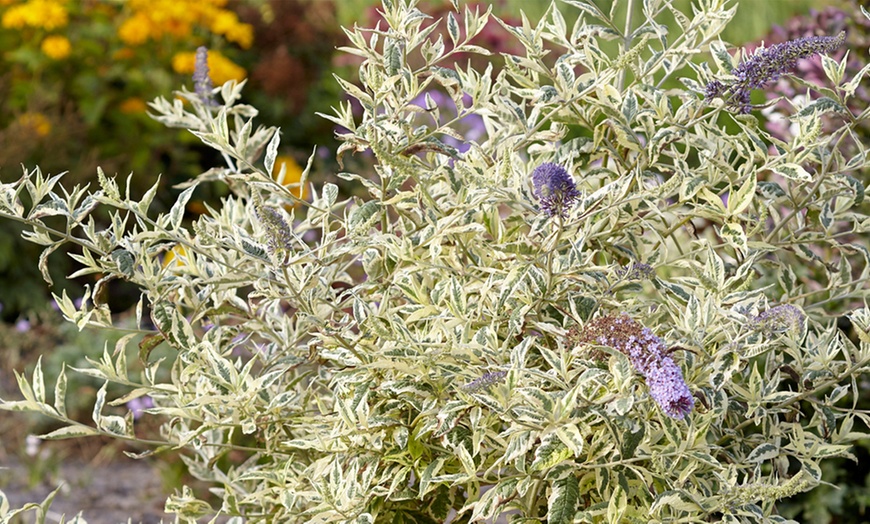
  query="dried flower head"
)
[
  {"x": 779, "y": 319},
  {"x": 202, "y": 84},
  {"x": 767, "y": 65},
  {"x": 555, "y": 188},
  {"x": 650, "y": 358}
]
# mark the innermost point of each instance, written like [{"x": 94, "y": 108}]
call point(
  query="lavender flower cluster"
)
[
  {"x": 828, "y": 21},
  {"x": 767, "y": 65},
  {"x": 778, "y": 319},
  {"x": 554, "y": 188},
  {"x": 636, "y": 271},
  {"x": 485, "y": 380},
  {"x": 202, "y": 84},
  {"x": 650, "y": 358}
]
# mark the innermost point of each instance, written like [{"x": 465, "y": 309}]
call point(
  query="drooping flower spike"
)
[
  {"x": 767, "y": 65},
  {"x": 649, "y": 356}
]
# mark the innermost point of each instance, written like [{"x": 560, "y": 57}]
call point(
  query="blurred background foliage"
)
[{"x": 76, "y": 76}]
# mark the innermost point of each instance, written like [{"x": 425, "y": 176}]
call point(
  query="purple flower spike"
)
[
  {"x": 636, "y": 271},
  {"x": 650, "y": 358},
  {"x": 767, "y": 65},
  {"x": 138, "y": 406},
  {"x": 668, "y": 389},
  {"x": 485, "y": 380},
  {"x": 202, "y": 84},
  {"x": 779, "y": 319},
  {"x": 555, "y": 188}
]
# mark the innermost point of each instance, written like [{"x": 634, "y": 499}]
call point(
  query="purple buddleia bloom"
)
[
  {"x": 636, "y": 271},
  {"x": 767, "y": 65},
  {"x": 485, "y": 380},
  {"x": 555, "y": 189},
  {"x": 779, "y": 319},
  {"x": 471, "y": 126},
  {"x": 649, "y": 356},
  {"x": 202, "y": 84},
  {"x": 138, "y": 406},
  {"x": 668, "y": 389}
]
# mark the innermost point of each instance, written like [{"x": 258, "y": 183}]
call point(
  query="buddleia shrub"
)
[
  {"x": 845, "y": 500},
  {"x": 618, "y": 305}
]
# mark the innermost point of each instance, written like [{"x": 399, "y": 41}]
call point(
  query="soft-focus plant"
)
[
  {"x": 291, "y": 66},
  {"x": 635, "y": 326},
  {"x": 796, "y": 89},
  {"x": 846, "y": 500},
  {"x": 99, "y": 62},
  {"x": 75, "y": 78}
]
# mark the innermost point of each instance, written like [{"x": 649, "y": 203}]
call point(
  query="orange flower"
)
[
  {"x": 292, "y": 176},
  {"x": 124, "y": 53},
  {"x": 56, "y": 47},
  {"x": 135, "y": 30},
  {"x": 132, "y": 105},
  {"x": 35, "y": 123}
]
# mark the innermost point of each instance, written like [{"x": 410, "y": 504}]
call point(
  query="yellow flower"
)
[
  {"x": 35, "y": 122},
  {"x": 56, "y": 47},
  {"x": 133, "y": 104},
  {"x": 184, "y": 63},
  {"x": 176, "y": 258},
  {"x": 47, "y": 14},
  {"x": 292, "y": 176},
  {"x": 227, "y": 23},
  {"x": 223, "y": 22},
  {"x": 220, "y": 68},
  {"x": 14, "y": 18},
  {"x": 52, "y": 14},
  {"x": 242, "y": 34},
  {"x": 135, "y": 30}
]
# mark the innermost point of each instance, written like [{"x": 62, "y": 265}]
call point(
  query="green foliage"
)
[{"x": 457, "y": 379}]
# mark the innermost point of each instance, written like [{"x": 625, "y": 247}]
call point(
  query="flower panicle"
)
[
  {"x": 767, "y": 65},
  {"x": 554, "y": 188},
  {"x": 649, "y": 356},
  {"x": 278, "y": 232},
  {"x": 635, "y": 271},
  {"x": 202, "y": 84},
  {"x": 780, "y": 319},
  {"x": 484, "y": 381}
]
